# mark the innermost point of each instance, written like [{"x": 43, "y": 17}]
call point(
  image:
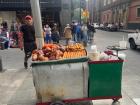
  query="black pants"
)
[
  {"x": 28, "y": 49},
  {"x": 55, "y": 38}
]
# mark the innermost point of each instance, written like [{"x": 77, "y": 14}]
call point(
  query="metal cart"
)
[
  {"x": 105, "y": 79},
  {"x": 76, "y": 80}
]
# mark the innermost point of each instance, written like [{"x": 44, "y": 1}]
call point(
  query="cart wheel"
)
[
  {"x": 57, "y": 103},
  {"x": 115, "y": 102}
]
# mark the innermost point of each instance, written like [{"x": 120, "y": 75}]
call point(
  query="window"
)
[
  {"x": 138, "y": 12},
  {"x": 104, "y": 2}
]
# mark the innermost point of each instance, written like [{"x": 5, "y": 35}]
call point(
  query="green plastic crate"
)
[{"x": 105, "y": 79}]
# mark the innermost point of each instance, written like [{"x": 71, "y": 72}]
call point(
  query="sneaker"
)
[{"x": 25, "y": 65}]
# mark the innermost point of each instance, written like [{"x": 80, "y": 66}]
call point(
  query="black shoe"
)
[{"x": 25, "y": 65}]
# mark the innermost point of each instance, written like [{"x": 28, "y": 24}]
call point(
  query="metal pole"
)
[
  {"x": 80, "y": 11},
  {"x": 37, "y": 22},
  {"x": 92, "y": 10},
  {"x": 71, "y": 9},
  {"x": 1, "y": 66}
]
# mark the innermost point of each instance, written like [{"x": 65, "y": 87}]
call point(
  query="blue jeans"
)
[
  {"x": 48, "y": 38},
  {"x": 75, "y": 37},
  {"x": 85, "y": 37},
  {"x": 78, "y": 35}
]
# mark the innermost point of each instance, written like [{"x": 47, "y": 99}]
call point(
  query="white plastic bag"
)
[{"x": 123, "y": 44}]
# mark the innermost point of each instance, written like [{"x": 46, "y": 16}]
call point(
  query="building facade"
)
[
  {"x": 51, "y": 10},
  {"x": 120, "y": 11},
  {"x": 115, "y": 11},
  {"x": 96, "y": 10},
  {"x": 134, "y": 15}
]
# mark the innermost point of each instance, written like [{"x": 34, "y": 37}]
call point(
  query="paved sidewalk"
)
[{"x": 17, "y": 88}]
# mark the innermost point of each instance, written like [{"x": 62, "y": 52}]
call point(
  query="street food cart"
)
[{"x": 58, "y": 82}]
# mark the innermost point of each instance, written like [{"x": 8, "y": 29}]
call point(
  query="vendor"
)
[{"x": 28, "y": 33}]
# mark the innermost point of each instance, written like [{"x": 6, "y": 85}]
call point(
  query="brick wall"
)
[
  {"x": 133, "y": 12},
  {"x": 133, "y": 20}
]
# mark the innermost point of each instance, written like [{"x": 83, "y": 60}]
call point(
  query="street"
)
[{"x": 15, "y": 94}]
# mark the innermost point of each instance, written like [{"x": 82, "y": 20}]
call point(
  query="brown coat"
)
[{"x": 67, "y": 33}]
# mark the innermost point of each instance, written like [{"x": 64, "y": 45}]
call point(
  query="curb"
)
[{"x": 127, "y": 31}]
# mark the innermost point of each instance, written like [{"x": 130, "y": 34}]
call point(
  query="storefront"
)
[{"x": 17, "y": 9}]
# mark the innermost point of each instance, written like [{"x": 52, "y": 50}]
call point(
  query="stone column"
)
[{"x": 37, "y": 22}]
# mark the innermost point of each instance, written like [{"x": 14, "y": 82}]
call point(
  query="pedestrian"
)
[
  {"x": 138, "y": 32},
  {"x": 29, "y": 39},
  {"x": 84, "y": 34},
  {"x": 14, "y": 34},
  {"x": 55, "y": 34},
  {"x": 117, "y": 25},
  {"x": 4, "y": 29},
  {"x": 78, "y": 32},
  {"x": 91, "y": 32},
  {"x": 47, "y": 34},
  {"x": 88, "y": 32},
  {"x": 68, "y": 34},
  {"x": 4, "y": 25},
  {"x": 73, "y": 28},
  {"x": 122, "y": 25}
]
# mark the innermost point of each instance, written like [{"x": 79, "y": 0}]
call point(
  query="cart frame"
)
[{"x": 115, "y": 98}]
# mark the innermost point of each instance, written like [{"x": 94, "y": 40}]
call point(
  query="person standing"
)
[
  {"x": 122, "y": 25},
  {"x": 47, "y": 34},
  {"x": 29, "y": 40},
  {"x": 91, "y": 32},
  {"x": 67, "y": 34},
  {"x": 73, "y": 28},
  {"x": 14, "y": 34},
  {"x": 78, "y": 32},
  {"x": 55, "y": 34},
  {"x": 84, "y": 32},
  {"x": 5, "y": 25}
]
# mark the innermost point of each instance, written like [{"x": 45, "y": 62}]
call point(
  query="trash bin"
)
[
  {"x": 105, "y": 79},
  {"x": 64, "y": 79}
]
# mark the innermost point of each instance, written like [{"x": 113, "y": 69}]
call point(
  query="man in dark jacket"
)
[
  {"x": 91, "y": 31},
  {"x": 28, "y": 32},
  {"x": 55, "y": 34}
]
